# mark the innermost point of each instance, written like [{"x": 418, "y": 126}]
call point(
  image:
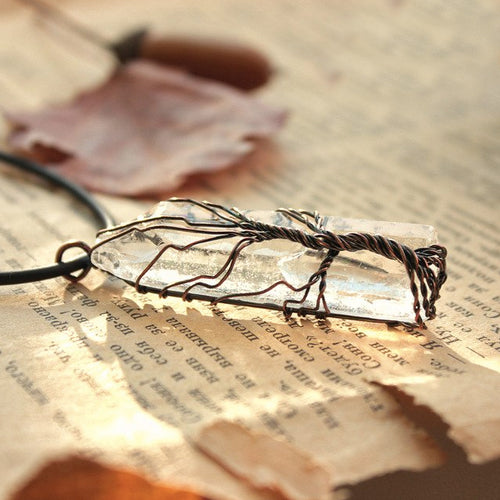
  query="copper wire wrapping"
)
[{"x": 426, "y": 267}]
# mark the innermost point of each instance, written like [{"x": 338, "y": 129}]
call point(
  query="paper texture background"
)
[{"x": 394, "y": 115}]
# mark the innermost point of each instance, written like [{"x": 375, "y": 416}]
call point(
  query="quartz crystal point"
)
[{"x": 360, "y": 284}]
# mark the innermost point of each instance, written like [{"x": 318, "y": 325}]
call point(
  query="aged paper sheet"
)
[{"x": 394, "y": 112}]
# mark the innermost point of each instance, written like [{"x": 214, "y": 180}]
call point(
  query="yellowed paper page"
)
[{"x": 393, "y": 116}]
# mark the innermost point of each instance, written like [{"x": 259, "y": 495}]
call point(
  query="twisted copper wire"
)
[{"x": 426, "y": 267}]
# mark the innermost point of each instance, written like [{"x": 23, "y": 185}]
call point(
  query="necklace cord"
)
[{"x": 101, "y": 215}]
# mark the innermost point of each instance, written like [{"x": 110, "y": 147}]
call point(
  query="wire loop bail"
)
[{"x": 74, "y": 244}]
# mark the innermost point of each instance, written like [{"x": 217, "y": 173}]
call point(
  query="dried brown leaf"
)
[
  {"x": 145, "y": 130},
  {"x": 78, "y": 478},
  {"x": 265, "y": 462}
]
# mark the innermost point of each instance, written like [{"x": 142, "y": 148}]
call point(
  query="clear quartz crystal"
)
[{"x": 360, "y": 284}]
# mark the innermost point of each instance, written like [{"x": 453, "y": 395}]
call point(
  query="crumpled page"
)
[{"x": 265, "y": 462}]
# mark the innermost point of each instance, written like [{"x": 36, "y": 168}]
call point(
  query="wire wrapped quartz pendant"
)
[{"x": 294, "y": 260}]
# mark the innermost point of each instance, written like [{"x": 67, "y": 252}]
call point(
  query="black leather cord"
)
[{"x": 102, "y": 217}]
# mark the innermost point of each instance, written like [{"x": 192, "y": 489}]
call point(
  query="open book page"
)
[{"x": 393, "y": 116}]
